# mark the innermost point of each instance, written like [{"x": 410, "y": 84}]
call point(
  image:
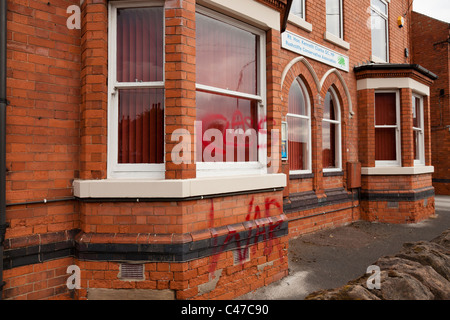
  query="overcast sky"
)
[{"x": 438, "y": 9}]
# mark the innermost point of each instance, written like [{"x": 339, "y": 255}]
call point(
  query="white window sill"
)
[
  {"x": 300, "y": 172},
  {"x": 332, "y": 170},
  {"x": 336, "y": 40},
  {"x": 299, "y": 22},
  {"x": 397, "y": 171},
  {"x": 175, "y": 188},
  {"x": 377, "y": 60}
]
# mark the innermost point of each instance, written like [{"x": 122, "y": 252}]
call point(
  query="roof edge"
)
[{"x": 397, "y": 66}]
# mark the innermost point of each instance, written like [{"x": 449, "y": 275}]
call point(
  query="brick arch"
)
[
  {"x": 299, "y": 67},
  {"x": 334, "y": 78}
]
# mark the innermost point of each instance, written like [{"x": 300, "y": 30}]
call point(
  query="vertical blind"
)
[
  {"x": 140, "y": 44},
  {"x": 226, "y": 56},
  {"x": 141, "y": 126},
  {"x": 385, "y": 126},
  {"x": 141, "y": 110}
]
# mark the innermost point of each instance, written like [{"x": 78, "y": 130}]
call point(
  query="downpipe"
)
[{"x": 3, "y": 104}]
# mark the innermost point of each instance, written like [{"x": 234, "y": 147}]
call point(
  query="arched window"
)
[
  {"x": 331, "y": 133},
  {"x": 299, "y": 129}
]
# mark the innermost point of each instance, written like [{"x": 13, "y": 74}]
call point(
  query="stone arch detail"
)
[
  {"x": 324, "y": 88},
  {"x": 295, "y": 68}
]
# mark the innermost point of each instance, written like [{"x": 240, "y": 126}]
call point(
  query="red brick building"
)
[
  {"x": 119, "y": 166},
  {"x": 430, "y": 45}
]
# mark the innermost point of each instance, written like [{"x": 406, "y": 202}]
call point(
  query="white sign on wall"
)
[{"x": 307, "y": 48}]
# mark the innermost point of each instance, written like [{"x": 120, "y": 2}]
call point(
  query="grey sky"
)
[{"x": 438, "y": 9}]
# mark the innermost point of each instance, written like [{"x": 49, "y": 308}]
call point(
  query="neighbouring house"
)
[{"x": 431, "y": 49}]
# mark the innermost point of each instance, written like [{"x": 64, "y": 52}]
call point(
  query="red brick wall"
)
[
  {"x": 178, "y": 217},
  {"x": 40, "y": 281},
  {"x": 186, "y": 279},
  {"x": 355, "y": 146},
  {"x": 94, "y": 103},
  {"x": 397, "y": 211},
  {"x": 180, "y": 112},
  {"x": 43, "y": 79}
]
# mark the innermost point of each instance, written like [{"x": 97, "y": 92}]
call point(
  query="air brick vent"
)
[{"x": 131, "y": 271}]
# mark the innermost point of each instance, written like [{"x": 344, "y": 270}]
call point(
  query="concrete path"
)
[{"x": 331, "y": 258}]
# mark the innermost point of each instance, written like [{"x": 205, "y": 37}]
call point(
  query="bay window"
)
[
  {"x": 230, "y": 68},
  {"x": 387, "y": 128},
  {"x": 299, "y": 129},
  {"x": 136, "y": 91}
]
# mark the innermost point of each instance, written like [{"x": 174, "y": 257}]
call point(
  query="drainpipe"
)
[
  {"x": 285, "y": 15},
  {"x": 3, "y": 104}
]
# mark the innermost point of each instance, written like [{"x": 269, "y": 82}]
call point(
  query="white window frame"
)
[
  {"x": 214, "y": 169},
  {"x": 308, "y": 118},
  {"x": 420, "y": 130},
  {"x": 398, "y": 162},
  {"x": 338, "y": 142},
  {"x": 117, "y": 170},
  {"x": 384, "y": 16},
  {"x": 300, "y": 21},
  {"x": 303, "y": 9},
  {"x": 341, "y": 21}
]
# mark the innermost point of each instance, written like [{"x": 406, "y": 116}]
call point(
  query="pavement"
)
[{"x": 331, "y": 258}]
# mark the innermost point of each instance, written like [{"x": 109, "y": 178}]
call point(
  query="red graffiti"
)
[
  {"x": 238, "y": 121},
  {"x": 266, "y": 230}
]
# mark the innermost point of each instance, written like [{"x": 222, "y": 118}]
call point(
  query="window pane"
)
[
  {"x": 385, "y": 109},
  {"x": 416, "y": 113},
  {"x": 385, "y": 145},
  {"x": 417, "y": 145},
  {"x": 297, "y": 103},
  {"x": 226, "y": 56},
  {"x": 334, "y": 17},
  {"x": 380, "y": 5},
  {"x": 297, "y": 8},
  {"x": 329, "y": 112},
  {"x": 141, "y": 126},
  {"x": 379, "y": 36},
  {"x": 329, "y": 134},
  {"x": 140, "y": 44},
  {"x": 223, "y": 112},
  {"x": 298, "y": 137}
]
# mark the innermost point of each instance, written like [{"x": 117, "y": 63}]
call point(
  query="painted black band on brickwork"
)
[
  {"x": 309, "y": 200},
  {"x": 398, "y": 196},
  {"x": 441, "y": 180},
  {"x": 35, "y": 254},
  {"x": 301, "y": 176},
  {"x": 182, "y": 252},
  {"x": 178, "y": 252},
  {"x": 334, "y": 174}
]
